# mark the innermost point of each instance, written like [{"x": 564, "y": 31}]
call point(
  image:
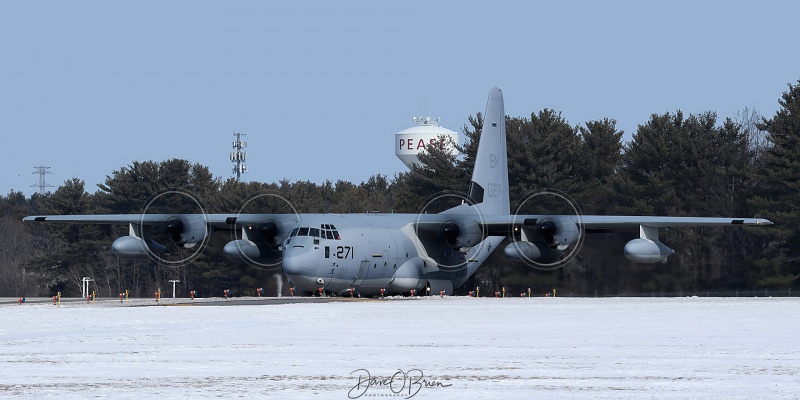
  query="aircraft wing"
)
[
  {"x": 252, "y": 236},
  {"x": 109, "y": 219},
  {"x": 611, "y": 222},
  {"x": 218, "y": 221},
  {"x": 545, "y": 237}
]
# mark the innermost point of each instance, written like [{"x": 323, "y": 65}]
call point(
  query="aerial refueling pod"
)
[
  {"x": 647, "y": 249},
  {"x": 258, "y": 244},
  {"x": 527, "y": 252},
  {"x": 135, "y": 248},
  {"x": 246, "y": 250}
]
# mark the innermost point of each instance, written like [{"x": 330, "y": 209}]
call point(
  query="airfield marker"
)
[
  {"x": 173, "y": 281},
  {"x": 259, "y": 291}
]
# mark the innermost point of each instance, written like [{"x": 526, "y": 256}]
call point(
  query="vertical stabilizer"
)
[{"x": 489, "y": 186}]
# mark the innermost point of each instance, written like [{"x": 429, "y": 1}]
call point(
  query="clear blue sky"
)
[{"x": 320, "y": 88}]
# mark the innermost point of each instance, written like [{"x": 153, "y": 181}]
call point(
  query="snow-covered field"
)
[{"x": 430, "y": 348}]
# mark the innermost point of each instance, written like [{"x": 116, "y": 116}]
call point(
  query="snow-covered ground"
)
[{"x": 431, "y": 348}]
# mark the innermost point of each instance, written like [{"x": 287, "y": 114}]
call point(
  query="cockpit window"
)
[
  {"x": 329, "y": 232},
  {"x": 313, "y": 232},
  {"x": 294, "y": 232},
  {"x": 303, "y": 232}
]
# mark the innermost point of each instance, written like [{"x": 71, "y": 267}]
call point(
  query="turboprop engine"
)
[
  {"x": 555, "y": 232},
  {"x": 462, "y": 238},
  {"x": 544, "y": 240},
  {"x": 187, "y": 230},
  {"x": 184, "y": 230}
]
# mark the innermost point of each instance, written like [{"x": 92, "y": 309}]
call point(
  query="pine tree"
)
[{"x": 778, "y": 190}]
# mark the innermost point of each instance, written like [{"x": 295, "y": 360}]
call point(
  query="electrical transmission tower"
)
[
  {"x": 42, "y": 185},
  {"x": 238, "y": 157}
]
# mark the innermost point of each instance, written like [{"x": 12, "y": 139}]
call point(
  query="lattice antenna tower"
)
[
  {"x": 239, "y": 157},
  {"x": 42, "y": 185}
]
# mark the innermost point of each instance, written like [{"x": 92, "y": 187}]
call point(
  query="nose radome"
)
[
  {"x": 297, "y": 263},
  {"x": 300, "y": 268}
]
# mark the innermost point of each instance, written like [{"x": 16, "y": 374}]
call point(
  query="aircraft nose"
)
[{"x": 297, "y": 264}]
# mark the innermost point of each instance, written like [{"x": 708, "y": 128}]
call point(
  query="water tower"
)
[{"x": 410, "y": 142}]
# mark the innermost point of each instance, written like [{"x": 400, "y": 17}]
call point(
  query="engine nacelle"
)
[
  {"x": 462, "y": 237},
  {"x": 646, "y": 251},
  {"x": 555, "y": 232},
  {"x": 527, "y": 252},
  {"x": 135, "y": 248},
  {"x": 264, "y": 233},
  {"x": 187, "y": 230}
]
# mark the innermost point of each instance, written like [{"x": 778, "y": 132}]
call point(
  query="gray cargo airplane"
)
[{"x": 397, "y": 253}]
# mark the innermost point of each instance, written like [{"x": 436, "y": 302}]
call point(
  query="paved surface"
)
[{"x": 213, "y": 301}]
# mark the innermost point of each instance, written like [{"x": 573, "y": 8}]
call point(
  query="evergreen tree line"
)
[{"x": 675, "y": 164}]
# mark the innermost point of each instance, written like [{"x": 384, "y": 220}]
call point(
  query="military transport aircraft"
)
[{"x": 394, "y": 253}]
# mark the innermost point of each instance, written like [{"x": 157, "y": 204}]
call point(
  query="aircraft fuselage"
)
[{"x": 367, "y": 252}]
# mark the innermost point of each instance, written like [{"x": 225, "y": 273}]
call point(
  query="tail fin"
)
[{"x": 489, "y": 186}]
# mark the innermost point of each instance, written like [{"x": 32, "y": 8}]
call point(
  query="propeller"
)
[
  {"x": 451, "y": 231},
  {"x": 269, "y": 231},
  {"x": 547, "y": 229},
  {"x": 175, "y": 228}
]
